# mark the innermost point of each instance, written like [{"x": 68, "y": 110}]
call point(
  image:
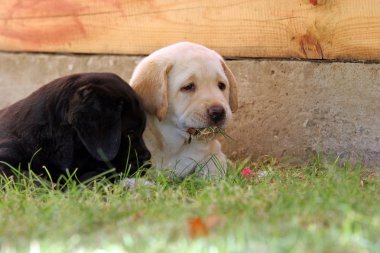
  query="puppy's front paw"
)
[{"x": 214, "y": 169}]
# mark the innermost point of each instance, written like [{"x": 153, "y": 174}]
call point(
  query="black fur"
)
[{"x": 90, "y": 122}]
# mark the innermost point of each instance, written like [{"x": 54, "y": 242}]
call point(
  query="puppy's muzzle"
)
[{"x": 216, "y": 114}]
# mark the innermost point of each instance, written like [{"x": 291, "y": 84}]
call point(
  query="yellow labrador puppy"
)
[{"x": 185, "y": 88}]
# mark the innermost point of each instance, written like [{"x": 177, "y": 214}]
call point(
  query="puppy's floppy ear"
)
[
  {"x": 150, "y": 81},
  {"x": 98, "y": 128},
  {"x": 233, "y": 99}
]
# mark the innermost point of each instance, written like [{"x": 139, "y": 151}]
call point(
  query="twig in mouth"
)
[{"x": 207, "y": 133}]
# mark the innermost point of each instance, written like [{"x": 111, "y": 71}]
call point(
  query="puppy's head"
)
[
  {"x": 188, "y": 83},
  {"x": 105, "y": 111}
]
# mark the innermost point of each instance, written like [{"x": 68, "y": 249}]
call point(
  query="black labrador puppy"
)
[{"x": 89, "y": 122}]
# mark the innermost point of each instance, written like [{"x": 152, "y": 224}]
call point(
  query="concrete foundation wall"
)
[{"x": 287, "y": 108}]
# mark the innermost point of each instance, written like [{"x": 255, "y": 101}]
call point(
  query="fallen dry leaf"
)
[{"x": 197, "y": 227}]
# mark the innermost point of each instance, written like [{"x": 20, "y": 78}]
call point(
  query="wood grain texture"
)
[{"x": 309, "y": 29}]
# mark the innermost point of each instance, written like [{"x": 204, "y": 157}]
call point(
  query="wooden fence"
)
[{"x": 308, "y": 29}]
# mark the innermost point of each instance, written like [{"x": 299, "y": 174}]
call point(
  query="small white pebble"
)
[
  {"x": 262, "y": 173},
  {"x": 131, "y": 183}
]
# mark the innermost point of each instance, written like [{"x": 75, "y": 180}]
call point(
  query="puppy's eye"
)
[
  {"x": 221, "y": 86},
  {"x": 188, "y": 88}
]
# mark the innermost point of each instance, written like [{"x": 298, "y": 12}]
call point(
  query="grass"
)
[{"x": 321, "y": 207}]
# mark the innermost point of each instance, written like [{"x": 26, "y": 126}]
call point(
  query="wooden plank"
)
[{"x": 311, "y": 29}]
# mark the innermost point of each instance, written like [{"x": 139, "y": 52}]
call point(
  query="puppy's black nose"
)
[{"x": 216, "y": 113}]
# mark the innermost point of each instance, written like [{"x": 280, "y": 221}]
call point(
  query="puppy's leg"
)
[
  {"x": 6, "y": 171},
  {"x": 9, "y": 160},
  {"x": 215, "y": 165}
]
